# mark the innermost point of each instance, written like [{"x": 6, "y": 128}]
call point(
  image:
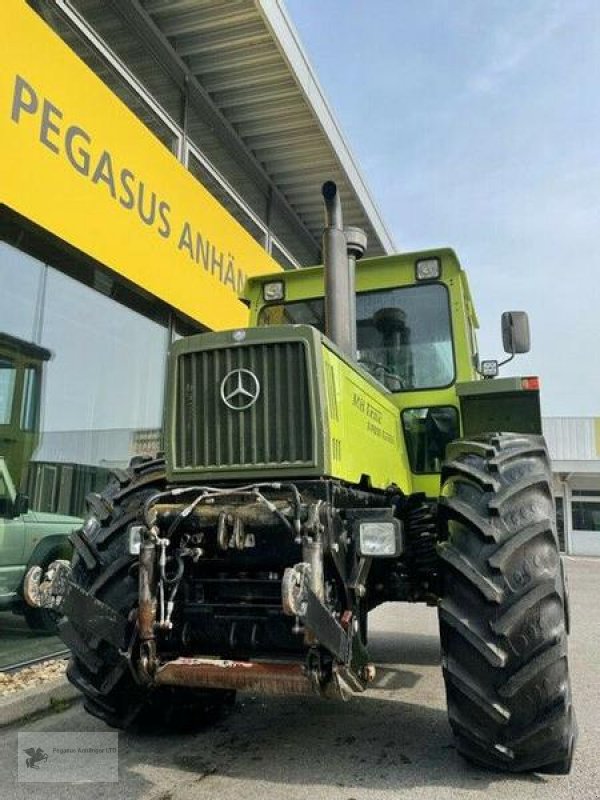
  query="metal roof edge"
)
[
  {"x": 279, "y": 23},
  {"x": 576, "y": 467},
  {"x": 571, "y": 418}
]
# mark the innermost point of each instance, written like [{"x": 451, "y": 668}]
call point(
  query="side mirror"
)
[
  {"x": 21, "y": 504},
  {"x": 515, "y": 332}
]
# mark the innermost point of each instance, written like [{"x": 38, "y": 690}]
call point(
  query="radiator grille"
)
[{"x": 275, "y": 430}]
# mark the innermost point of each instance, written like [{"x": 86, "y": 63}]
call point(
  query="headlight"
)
[
  {"x": 379, "y": 539},
  {"x": 428, "y": 269},
  {"x": 274, "y": 290},
  {"x": 135, "y": 540}
]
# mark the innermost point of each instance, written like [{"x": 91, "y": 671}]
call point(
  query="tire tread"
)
[{"x": 502, "y": 610}]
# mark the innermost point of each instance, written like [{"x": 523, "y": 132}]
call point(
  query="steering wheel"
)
[{"x": 375, "y": 366}]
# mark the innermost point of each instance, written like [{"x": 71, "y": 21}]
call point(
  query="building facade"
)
[
  {"x": 155, "y": 154},
  {"x": 574, "y": 444}
]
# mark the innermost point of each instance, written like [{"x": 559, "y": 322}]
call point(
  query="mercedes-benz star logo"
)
[{"x": 240, "y": 389}]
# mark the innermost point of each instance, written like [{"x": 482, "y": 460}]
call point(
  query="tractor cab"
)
[{"x": 416, "y": 334}]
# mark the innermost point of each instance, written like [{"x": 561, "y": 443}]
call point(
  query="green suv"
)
[{"x": 27, "y": 539}]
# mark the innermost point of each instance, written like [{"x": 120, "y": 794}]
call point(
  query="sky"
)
[{"x": 476, "y": 124}]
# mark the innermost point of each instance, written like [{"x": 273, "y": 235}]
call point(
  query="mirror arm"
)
[{"x": 506, "y": 360}]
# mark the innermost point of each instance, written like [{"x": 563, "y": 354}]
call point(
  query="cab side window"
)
[{"x": 427, "y": 432}]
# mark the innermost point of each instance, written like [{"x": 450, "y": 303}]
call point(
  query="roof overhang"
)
[
  {"x": 311, "y": 107},
  {"x": 243, "y": 62}
]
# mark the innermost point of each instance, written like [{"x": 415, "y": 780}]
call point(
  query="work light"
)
[
  {"x": 135, "y": 540},
  {"x": 428, "y": 269},
  {"x": 489, "y": 369},
  {"x": 274, "y": 290},
  {"x": 379, "y": 539}
]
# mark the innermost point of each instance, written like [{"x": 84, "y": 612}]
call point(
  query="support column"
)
[{"x": 568, "y": 518}]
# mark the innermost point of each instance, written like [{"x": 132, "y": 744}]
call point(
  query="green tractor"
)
[{"x": 341, "y": 452}]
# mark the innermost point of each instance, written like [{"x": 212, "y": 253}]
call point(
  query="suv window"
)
[
  {"x": 6, "y": 500},
  {"x": 30, "y": 403},
  {"x": 8, "y": 375}
]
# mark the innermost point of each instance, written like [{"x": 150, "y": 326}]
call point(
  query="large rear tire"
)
[
  {"x": 502, "y": 611},
  {"x": 103, "y": 567}
]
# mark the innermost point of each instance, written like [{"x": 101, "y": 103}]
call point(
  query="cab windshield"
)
[{"x": 404, "y": 336}]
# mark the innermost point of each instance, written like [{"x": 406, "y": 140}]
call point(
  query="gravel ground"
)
[
  {"x": 28, "y": 677},
  {"x": 393, "y": 743}
]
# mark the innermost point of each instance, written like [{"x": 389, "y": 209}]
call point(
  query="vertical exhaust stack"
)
[
  {"x": 356, "y": 244},
  {"x": 338, "y": 325},
  {"x": 341, "y": 249}
]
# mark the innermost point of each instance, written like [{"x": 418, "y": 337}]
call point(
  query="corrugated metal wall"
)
[{"x": 573, "y": 438}]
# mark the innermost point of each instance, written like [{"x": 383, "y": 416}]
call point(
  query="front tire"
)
[
  {"x": 103, "y": 567},
  {"x": 502, "y": 611}
]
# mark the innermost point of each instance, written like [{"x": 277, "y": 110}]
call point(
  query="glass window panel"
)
[
  {"x": 5, "y": 494},
  {"x": 560, "y": 521},
  {"x": 8, "y": 376},
  {"x": 302, "y": 312},
  {"x": 108, "y": 363},
  {"x": 128, "y": 45},
  {"x": 20, "y": 277},
  {"x": 31, "y": 397},
  {"x": 404, "y": 335},
  {"x": 6, "y": 500},
  {"x": 585, "y": 515},
  {"x": 147, "y": 70},
  {"x": 79, "y": 411},
  {"x": 427, "y": 432},
  {"x": 200, "y": 172}
]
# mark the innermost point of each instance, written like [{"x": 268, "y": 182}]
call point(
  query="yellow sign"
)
[{"x": 76, "y": 161}]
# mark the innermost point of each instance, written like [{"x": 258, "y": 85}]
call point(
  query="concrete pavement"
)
[{"x": 392, "y": 742}]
